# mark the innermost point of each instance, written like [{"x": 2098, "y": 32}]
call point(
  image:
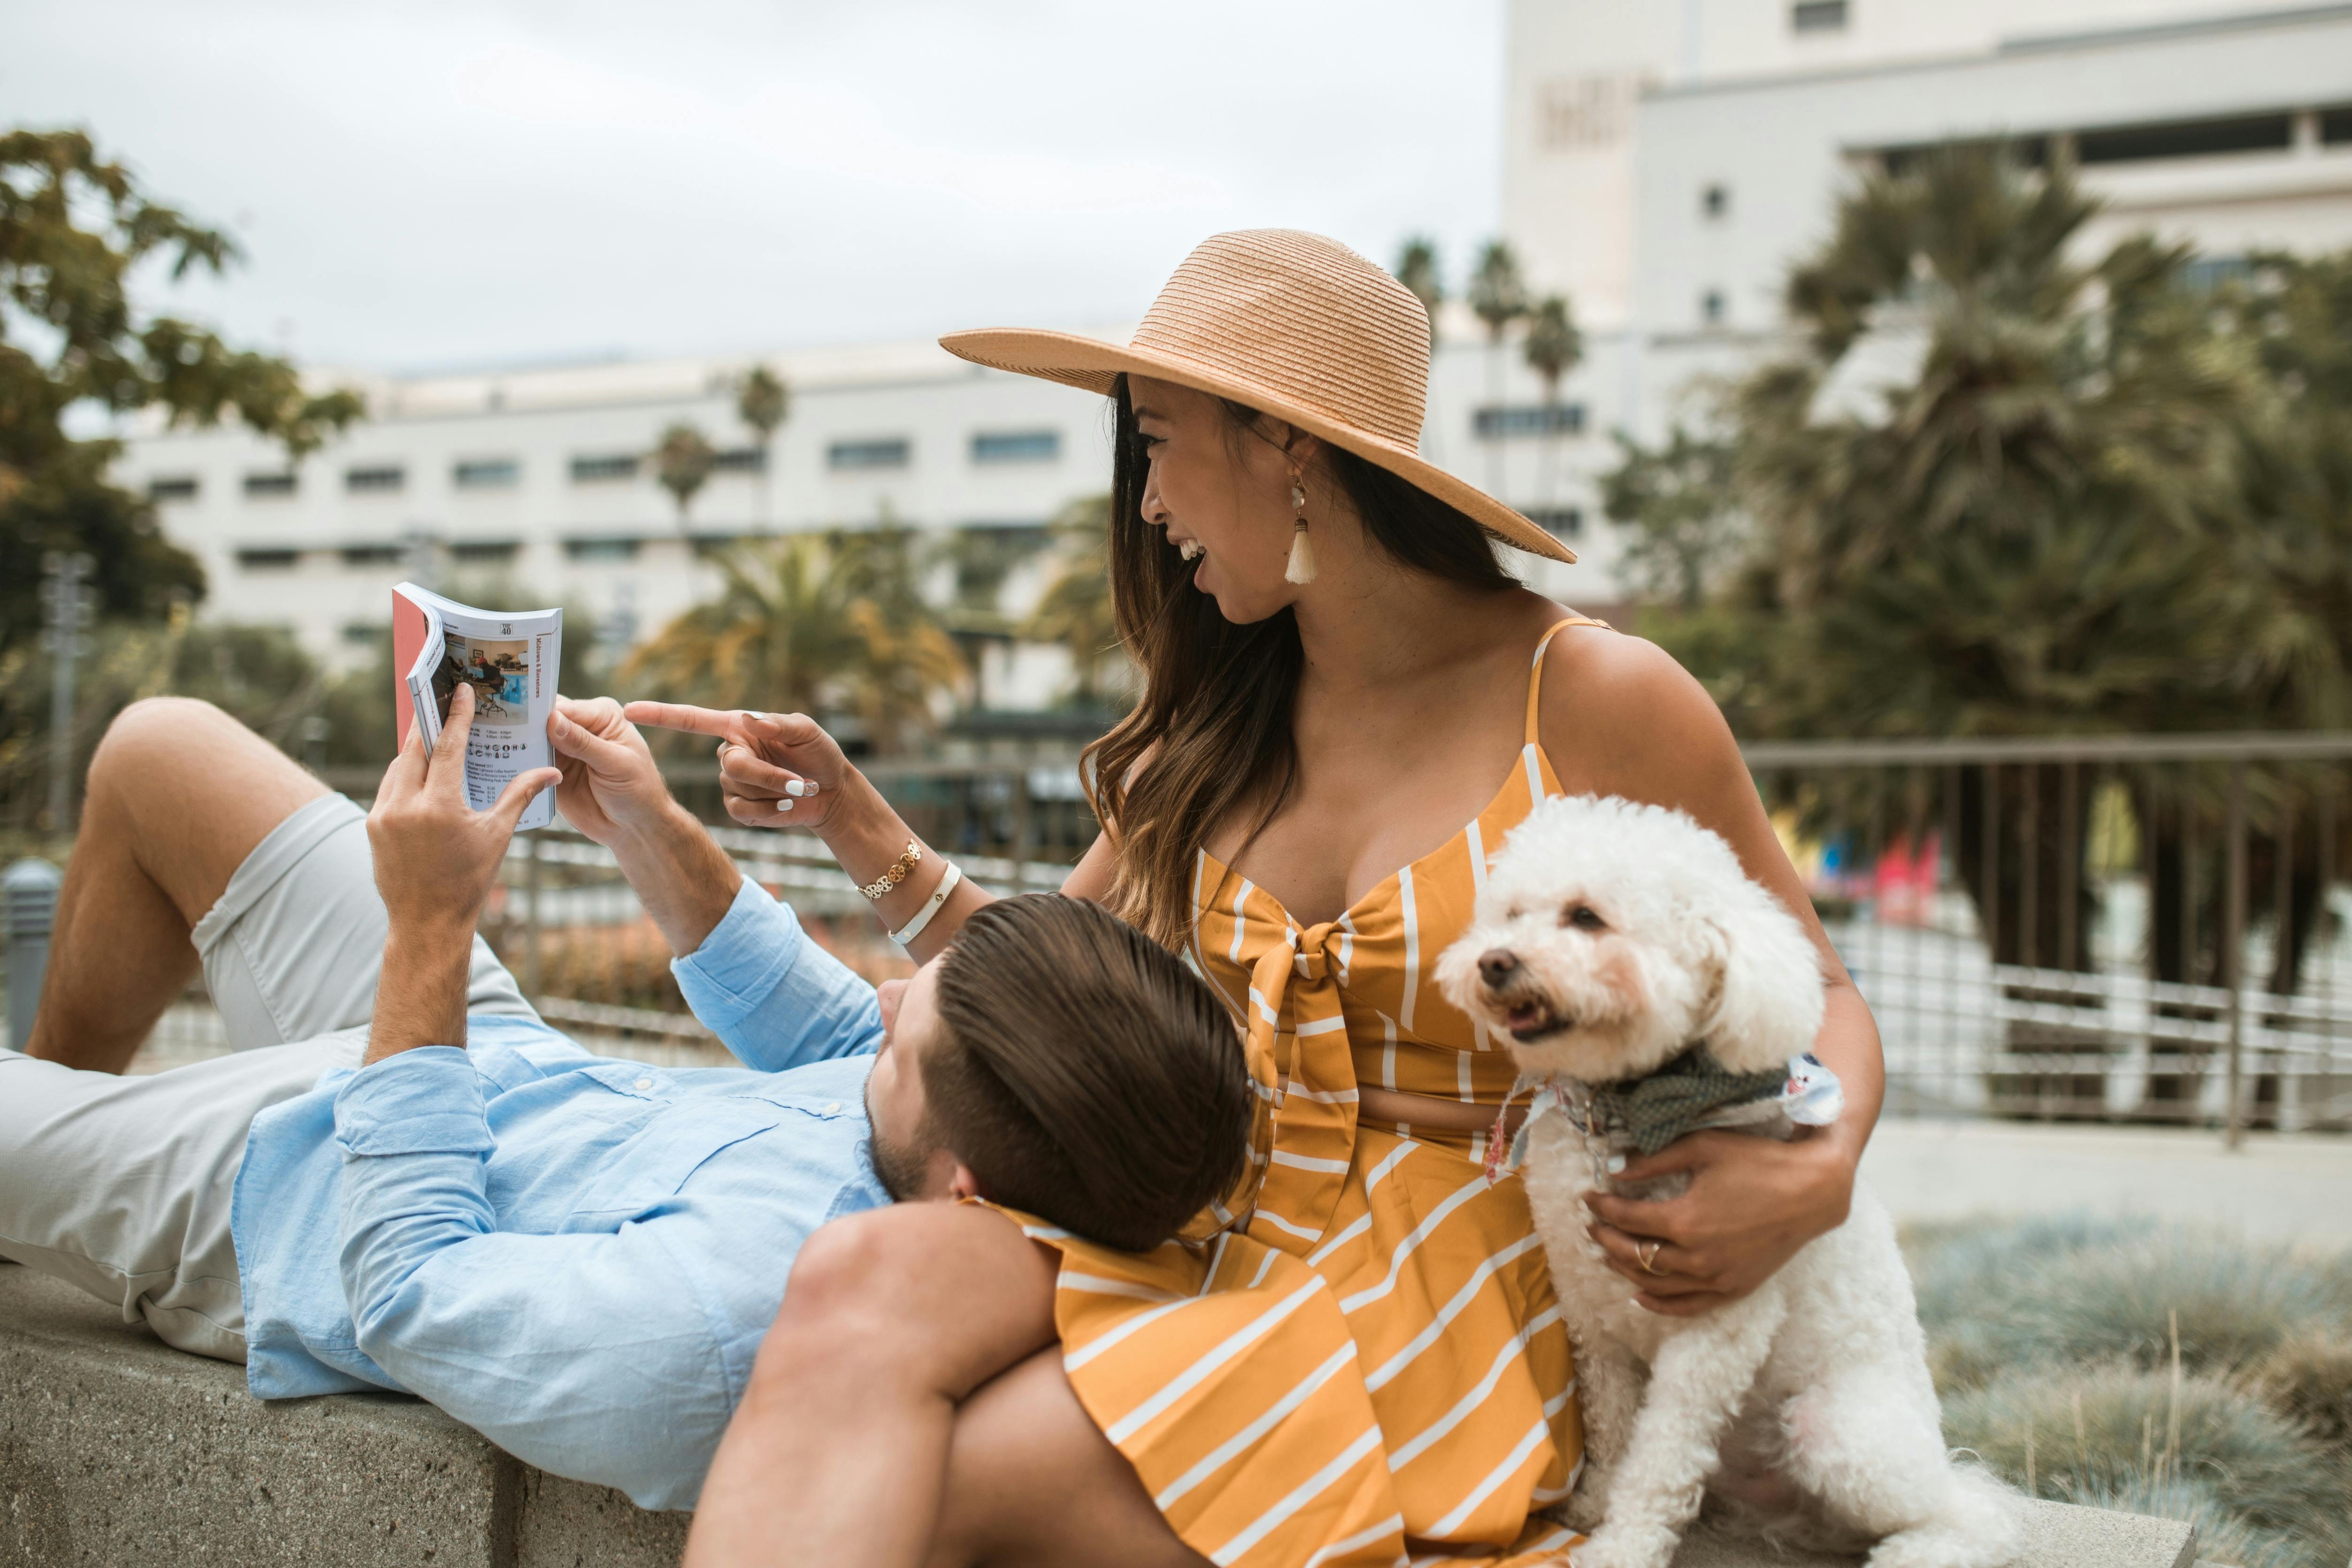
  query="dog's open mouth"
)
[{"x": 1532, "y": 1019}]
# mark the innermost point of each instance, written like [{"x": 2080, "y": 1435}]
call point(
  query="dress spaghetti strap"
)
[{"x": 1535, "y": 669}]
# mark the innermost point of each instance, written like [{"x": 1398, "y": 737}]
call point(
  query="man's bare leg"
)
[
  {"x": 179, "y": 795},
  {"x": 882, "y": 1428}
]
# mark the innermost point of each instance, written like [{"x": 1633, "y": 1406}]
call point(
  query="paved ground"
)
[{"x": 2286, "y": 1187}]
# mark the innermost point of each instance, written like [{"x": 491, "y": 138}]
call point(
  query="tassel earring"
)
[{"x": 1302, "y": 549}]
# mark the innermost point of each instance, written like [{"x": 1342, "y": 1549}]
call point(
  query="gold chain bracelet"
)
[{"x": 898, "y": 872}]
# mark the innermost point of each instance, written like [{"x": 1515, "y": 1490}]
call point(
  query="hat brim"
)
[{"x": 1095, "y": 366}]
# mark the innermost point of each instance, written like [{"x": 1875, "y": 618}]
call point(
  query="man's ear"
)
[{"x": 961, "y": 1183}]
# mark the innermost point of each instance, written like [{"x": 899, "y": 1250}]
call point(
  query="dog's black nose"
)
[{"x": 1497, "y": 964}]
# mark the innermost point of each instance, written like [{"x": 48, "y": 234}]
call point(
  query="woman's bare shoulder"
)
[{"x": 1619, "y": 716}]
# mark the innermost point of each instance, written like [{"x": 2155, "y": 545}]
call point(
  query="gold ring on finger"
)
[{"x": 1649, "y": 1257}]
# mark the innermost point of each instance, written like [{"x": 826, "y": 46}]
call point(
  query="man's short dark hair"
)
[{"x": 1087, "y": 1076}]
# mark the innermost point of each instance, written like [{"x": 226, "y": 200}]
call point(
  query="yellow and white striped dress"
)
[{"x": 1373, "y": 1369}]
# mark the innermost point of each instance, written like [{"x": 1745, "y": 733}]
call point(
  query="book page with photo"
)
[{"x": 510, "y": 659}]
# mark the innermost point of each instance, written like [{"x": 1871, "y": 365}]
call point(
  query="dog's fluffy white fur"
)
[{"x": 1613, "y": 935}]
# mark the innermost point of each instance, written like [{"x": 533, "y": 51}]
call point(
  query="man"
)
[{"x": 576, "y": 1256}]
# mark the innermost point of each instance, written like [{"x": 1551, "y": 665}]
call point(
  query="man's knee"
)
[
  {"x": 852, "y": 1272},
  {"x": 155, "y": 736}
]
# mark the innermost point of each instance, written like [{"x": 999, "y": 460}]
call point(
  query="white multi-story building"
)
[
  {"x": 539, "y": 480},
  {"x": 1664, "y": 164}
]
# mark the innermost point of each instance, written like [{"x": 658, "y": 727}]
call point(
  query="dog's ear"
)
[{"x": 1766, "y": 1006}]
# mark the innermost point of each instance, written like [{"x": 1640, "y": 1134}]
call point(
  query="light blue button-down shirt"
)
[{"x": 573, "y": 1255}]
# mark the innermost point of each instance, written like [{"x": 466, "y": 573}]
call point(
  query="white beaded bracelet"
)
[{"x": 914, "y": 928}]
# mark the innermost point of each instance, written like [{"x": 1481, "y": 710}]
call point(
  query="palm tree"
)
[
  {"x": 824, "y": 626},
  {"x": 1499, "y": 296},
  {"x": 682, "y": 463},
  {"x": 2020, "y": 539},
  {"x": 1075, "y": 612},
  {"x": 1553, "y": 348},
  {"x": 1418, "y": 270},
  {"x": 763, "y": 402}
]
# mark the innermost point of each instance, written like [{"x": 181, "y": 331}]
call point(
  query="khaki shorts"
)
[{"x": 121, "y": 1185}]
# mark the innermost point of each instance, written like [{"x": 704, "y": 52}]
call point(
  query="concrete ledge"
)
[{"x": 115, "y": 1449}]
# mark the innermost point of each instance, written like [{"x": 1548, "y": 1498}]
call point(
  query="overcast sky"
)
[{"x": 434, "y": 185}]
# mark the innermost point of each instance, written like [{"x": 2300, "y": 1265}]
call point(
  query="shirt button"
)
[
  {"x": 641, "y": 1084},
  {"x": 832, "y": 1107}
]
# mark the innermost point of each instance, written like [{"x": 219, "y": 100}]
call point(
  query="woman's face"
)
[{"x": 1224, "y": 490}]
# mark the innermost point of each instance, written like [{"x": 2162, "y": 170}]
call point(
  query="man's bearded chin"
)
[{"x": 899, "y": 1165}]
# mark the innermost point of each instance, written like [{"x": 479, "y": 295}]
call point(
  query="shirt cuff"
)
[
  {"x": 742, "y": 961},
  {"x": 427, "y": 1100}
]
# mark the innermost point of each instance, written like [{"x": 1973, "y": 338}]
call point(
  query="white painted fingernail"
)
[
  {"x": 1616, "y": 1164},
  {"x": 784, "y": 805}
]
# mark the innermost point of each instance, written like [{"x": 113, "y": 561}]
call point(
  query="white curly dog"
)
[{"x": 1611, "y": 939}]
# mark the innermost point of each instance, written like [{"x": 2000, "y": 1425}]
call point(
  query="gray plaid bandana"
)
[{"x": 1653, "y": 1112}]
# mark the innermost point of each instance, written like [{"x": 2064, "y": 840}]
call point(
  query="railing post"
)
[
  {"x": 1021, "y": 829},
  {"x": 31, "y": 912},
  {"x": 2234, "y": 934}
]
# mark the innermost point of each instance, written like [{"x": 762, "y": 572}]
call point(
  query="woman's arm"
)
[
  {"x": 1621, "y": 718},
  {"x": 783, "y": 771}
]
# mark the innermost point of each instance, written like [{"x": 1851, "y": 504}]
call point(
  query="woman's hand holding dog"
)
[{"x": 1752, "y": 1203}]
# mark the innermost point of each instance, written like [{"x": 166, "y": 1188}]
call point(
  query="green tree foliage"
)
[
  {"x": 833, "y": 626},
  {"x": 763, "y": 401},
  {"x": 260, "y": 675},
  {"x": 2009, "y": 486},
  {"x": 1675, "y": 501},
  {"x": 1075, "y": 612},
  {"x": 1417, "y": 270},
  {"x": 1498, "y": 295},
  {"x": 682, "y": 464},
  {"x": 75, "y": 230},
  {"x": 1554, "y": 346}
]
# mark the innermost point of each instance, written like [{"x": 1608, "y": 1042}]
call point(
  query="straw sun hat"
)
[{"x": 1294, "y": 325}]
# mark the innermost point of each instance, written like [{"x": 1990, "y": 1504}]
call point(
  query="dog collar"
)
[{"x": 1693, "y": 1092}]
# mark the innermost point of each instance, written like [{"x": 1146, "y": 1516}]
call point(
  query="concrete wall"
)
[{"x": 117, "y": 1450}]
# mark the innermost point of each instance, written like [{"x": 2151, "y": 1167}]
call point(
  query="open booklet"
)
[{"x": 509, "y": 659}]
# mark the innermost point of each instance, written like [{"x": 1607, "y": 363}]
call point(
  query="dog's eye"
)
[{"x": 1583, "y": 917}]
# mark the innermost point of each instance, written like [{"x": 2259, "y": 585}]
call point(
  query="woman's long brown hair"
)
[{"x": 1215, "y": 719}]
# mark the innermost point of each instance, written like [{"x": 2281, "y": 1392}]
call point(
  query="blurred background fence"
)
[{"x": 2119, "y": 928}]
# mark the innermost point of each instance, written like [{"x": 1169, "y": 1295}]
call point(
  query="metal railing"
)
[
  {"x": 2149, "y": 929},
  {"x": 2106, "y": 928}
]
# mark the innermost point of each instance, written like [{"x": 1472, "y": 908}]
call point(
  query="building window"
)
[
  {"x": 1559, "y": 522},
  {"x": 269, "y": 484},
  {"x": 1017, "y": 446},
  {"x": 374, "y": 555},
  {"x": 380, "y": 480},
  {"x": 603, "y": 466},
  {"x": 601, "y": 549},
  {"x": 1710, "y": 308},
  {"x": 1818, "y": 16},
  {"x": 741, "y": 460},
  {"x": 266, "y": 560},
  {"x": 2336, "y": 124},
  {"x": 1529, "y": 419},
  {"x": 2186, "y": 139},
  {"x": 1715, "y": 202},
  {"x": 486, "y": 474},
  {"x": 893, "y": 452},
  {"x": 485, "y": 553},
  {"x": 178, "y": 487}
]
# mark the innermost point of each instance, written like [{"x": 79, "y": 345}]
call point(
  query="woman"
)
[{"x": 1359, "y": 1354}]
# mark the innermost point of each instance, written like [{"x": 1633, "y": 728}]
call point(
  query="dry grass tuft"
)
[{"x": 2188, "y": 1373}]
